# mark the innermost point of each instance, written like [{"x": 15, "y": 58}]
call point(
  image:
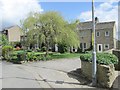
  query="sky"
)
[{"x": 12, "y": 11}]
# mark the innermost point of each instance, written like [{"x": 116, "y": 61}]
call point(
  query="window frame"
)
[
  {"x": 80, "y": 45},
  {"x": 108, "y": 33},
  {"x": 97, "y": 34},
  {"x": 107, "y": 45},
  {"x": 85, "y": 45}
]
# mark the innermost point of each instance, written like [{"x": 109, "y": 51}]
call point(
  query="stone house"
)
[
  {"x": 105, "y": 35},
  {"x": 13, "y": 33}
]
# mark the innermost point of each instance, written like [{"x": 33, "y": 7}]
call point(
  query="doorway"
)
[{"x": 99, "y": 48}]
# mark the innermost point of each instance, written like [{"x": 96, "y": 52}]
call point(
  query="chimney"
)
[{"x": 96, "y": 20}]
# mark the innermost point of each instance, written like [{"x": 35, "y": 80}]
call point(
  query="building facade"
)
[
  {"x": 105, "y": 35},
  {"x": 13, "y": 33}
]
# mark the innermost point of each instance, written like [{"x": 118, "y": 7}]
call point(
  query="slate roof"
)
[
  {"x": 99, "y": 25},
  {"x": 7, "y": 28}
]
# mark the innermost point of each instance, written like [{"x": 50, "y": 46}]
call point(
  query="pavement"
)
[{"x": 44, "y": 74}]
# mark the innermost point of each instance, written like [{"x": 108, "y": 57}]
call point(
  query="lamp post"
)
[{"x": 94, "y": 68}]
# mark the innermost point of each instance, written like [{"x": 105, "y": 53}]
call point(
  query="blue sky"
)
[
  {"x": 69, "y": 10},
  {"x": 15, "y": 10}
]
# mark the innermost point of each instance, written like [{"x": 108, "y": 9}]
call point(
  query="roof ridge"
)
[
  {"x": 99, "y": 25},
  {"x": 106, "y": 22},
  {"x": 99, "y": 22},
  {"x": 86, "y": 22},
  {"x": 11, "y": 27}
]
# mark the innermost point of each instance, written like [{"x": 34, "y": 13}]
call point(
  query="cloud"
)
[
  {"x": 106, "y": 11},
  {"x": 15, "y": 10}
]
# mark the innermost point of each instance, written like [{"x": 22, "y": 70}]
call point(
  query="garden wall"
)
[
  {"x": 105, "y": 73},
  {"x": 117, "y": 53}
]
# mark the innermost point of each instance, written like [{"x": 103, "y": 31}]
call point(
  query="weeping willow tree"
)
[
  {"x": 70, "y": 37},
  {"x": 50, "y": 27}
]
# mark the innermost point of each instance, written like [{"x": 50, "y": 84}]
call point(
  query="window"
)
[
  {"x": 107, "y": 33},
  {"x": 97, "y": 34},
  {"x": 80, "y": 45},
  {"x": 85, "y": 45},
  {"x": 106, "y": 46}
]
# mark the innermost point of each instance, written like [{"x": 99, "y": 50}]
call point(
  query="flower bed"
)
[{"x": 102, "y": 58}]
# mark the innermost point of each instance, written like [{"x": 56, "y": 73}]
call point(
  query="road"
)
[{"x": 43, "y": 74}]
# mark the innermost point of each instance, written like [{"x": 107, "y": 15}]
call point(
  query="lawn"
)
[
  {"x": 20, "y": 51},
  {"x": 65, "y": 55}
]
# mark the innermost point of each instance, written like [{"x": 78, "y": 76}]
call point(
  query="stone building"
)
[
  {"x": 13, "y": 33},
  {"x": 105, "y": 35}
]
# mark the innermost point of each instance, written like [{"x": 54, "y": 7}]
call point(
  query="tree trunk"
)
[{"x": 47, "y": 49}]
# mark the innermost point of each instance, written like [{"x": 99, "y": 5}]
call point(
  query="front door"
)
[{"x": 99, "y": 48}]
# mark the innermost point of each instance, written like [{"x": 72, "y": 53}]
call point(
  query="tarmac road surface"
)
[{"x": 43, "y": 74}]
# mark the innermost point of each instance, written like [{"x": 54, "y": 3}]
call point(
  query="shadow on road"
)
[
  {"x": 77, "y": 74},
  {"x": 116, "y": 83}
]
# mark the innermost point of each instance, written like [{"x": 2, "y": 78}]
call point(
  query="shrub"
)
[
  {"x": 86, "y": 57},
  {"x": 39, "y": 50},
  {"x": 39, "y": 58},
  {"x": 62, "y": 48},
  {"x": 45, "y": 58},
  {"x": 79, "y": 50},
  {"x": 13, "y": 58},
  {"x": 21, "y": 56},
  {"x": 102, "y": 58},
  {"x": 34, "y": 56},
  {"x": 43, "y": 49},
  {"x": 30, "y": 56},
  {"x": 29, "y": 50},
  {"x": 17, "y": 56},
  {"x": 6, "y": 50}
]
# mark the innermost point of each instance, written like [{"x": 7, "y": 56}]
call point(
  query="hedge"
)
[
  {"x": 37, "y": 56},
  {"x": 28, "y": 56},
  {"x": 102, "y": 58}
]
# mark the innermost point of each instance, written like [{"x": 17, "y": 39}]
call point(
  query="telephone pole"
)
[{"x": 94, "y": 68}]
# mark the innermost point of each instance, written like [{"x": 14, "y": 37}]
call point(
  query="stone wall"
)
[
  {"x": 105, "y": 73},
  {"x": 117, "y": 53},
  {"x": 118, "y": 44}
]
